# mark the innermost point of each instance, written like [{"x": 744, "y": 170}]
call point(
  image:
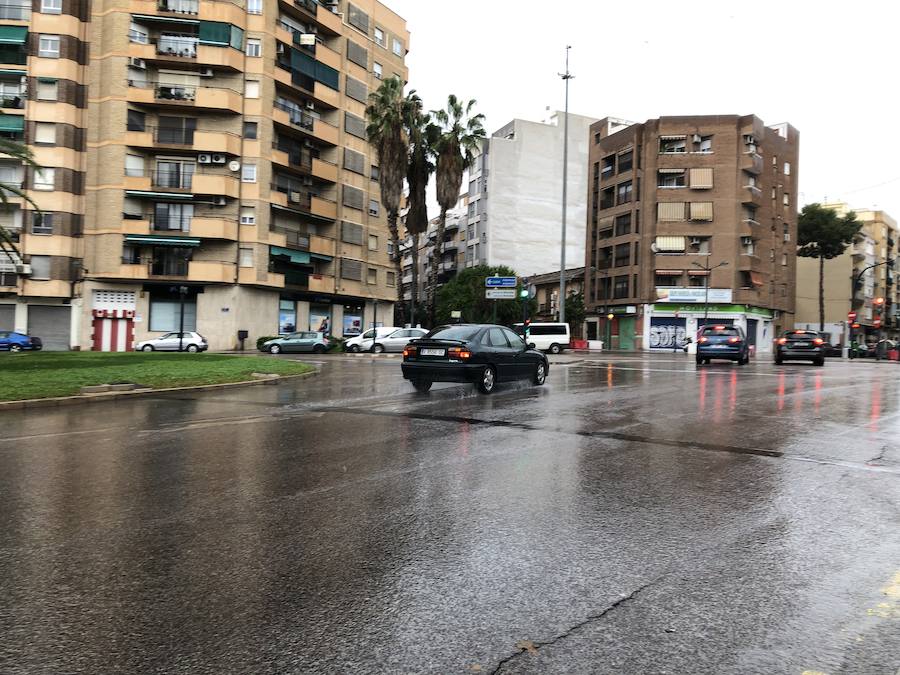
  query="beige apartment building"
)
[
  {"x": 876, "y": 300},
  {"x": 679, "y": 203},
  {"x": 211, "y": 161}
]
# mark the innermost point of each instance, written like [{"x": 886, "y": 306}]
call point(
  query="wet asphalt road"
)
[{"x": 634, "y": 515}]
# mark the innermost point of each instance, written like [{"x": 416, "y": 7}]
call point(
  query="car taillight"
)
[
  {"x": 410, "y": 350},
  {"x": 818, "y": 341},
  {"x": 703, "y": 339},
  {"x": 782, "y": 341},
  {"x": 734, "y": 340},
  {"x": 459, "y": 353}
]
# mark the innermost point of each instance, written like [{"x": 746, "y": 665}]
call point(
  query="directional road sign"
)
[
  {"x": 500, "y": 282},
  {"x": 500, "y": 293}
]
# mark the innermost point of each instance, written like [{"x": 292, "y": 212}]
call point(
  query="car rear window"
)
[
  {"x": 453, "y": 332},
  {"x": 723, "y": 330}
]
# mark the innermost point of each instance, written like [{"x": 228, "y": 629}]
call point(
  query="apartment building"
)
[
  {"x": 223, "y": 173},
  {"x": 515, "y": 196},
  {"x": 679, "y": 203},
  {"x": 876, "y": 300}
]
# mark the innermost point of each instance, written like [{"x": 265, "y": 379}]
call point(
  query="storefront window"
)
[
  {"x": 352, "y": 320},
  {"x": 320, "y": 318},
  {"x": 287, "y": 316}
]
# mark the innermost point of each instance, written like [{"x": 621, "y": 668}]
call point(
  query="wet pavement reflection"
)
[{"x": 636, "y": 514}]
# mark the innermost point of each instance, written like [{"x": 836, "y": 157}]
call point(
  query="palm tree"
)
[
  {"x": 20, "y": 152},
  {"x": 385, "y": 116},
  {"x": 459, "y": 133},
  {"x": 421, "y": 137}
]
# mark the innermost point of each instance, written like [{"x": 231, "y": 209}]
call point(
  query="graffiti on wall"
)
[{"x": 666, "y": 332}]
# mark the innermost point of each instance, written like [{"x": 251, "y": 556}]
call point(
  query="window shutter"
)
[
  {"x": 358, "y": 18},
  {"x": 701, "y": 211},
  {"x": 701, "y": 179},
  {"x": 357, "y": 54},
  {"x": 351, "y": 269},
  {"x": 670, "y": 211},
  {"x": 354, "y": 161},
  {"x": 351, "y": 233},
  {"x": 356, "y": 89},
  {"x": 215, "y": 33},
  {"x": 356, "y": 126},
  {"x": 353, "y": 197},
  {"x": 670, "y": 244}
]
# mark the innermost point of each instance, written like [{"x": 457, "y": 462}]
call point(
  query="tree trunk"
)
[
  {"x": 821, "y": 293},
  {"x": 398, "y": 259},
  {"x": 414, "y": 292},
  {"x": 436, "y": 254}
]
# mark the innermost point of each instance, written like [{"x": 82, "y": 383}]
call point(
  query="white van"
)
[
  {"x": 548, "y": 337},
  {"x": 363, "y": 342}
]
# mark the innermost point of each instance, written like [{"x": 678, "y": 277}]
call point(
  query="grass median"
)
[{"x": 44, "y": 374}]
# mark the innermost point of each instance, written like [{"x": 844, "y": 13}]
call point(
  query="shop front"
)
[{"x": 618, "y": 329}]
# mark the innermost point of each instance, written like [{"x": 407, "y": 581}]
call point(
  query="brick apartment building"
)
[
  {"x": 210, "y": 151},
  {"x": 675, "y": 196}
]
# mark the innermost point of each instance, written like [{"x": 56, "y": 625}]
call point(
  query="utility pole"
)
[
  {"x": 182, "y": 292},
  {"x": 562, "y": 255},
  {"x": 706, "y": 268}
]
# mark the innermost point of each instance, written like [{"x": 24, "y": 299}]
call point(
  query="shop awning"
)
[
  {"x": 676, "y": 137},
  {"x": 698, "y": 273},
  {"x": 297, "y": 257},
  {"x": 7, "y": 71},
  {"x": 671, "y": 170},
  {"x": 12, "y": 123},
  {"x": 147, "y": 194},
  {"x": 161, "y": 241},
  {"x": 321, "y": 256},
  {"x": 755, "y": 279},
  {"x": 670, "y": 243},
  {"x": 13, "y": 35},
  {"x": 163, "y": 19},
  {"x": 669, "y": 273}
]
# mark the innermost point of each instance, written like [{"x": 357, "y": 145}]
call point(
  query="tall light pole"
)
[
  {"x": 708, "y": 271},
  {"x": 562, "y": 254}
]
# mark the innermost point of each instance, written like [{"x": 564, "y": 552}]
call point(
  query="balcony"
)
[
  {"x": 304, "y": 122},
  {"x": 752, "y": 162},
  {"x": 750, "y": 194},
  {"x": 749, "y": 262},
  {"x": 324, "y": 170},
  {"x": 199, "y": 140},
  {"x": 185, "y": 96},
  {"x": 216, "y": 184},
  {"x": 184, "y": 48},
  {"x": 314, "y": 283}
]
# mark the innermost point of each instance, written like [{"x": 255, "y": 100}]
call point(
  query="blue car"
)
[
  {"x": 16, "y": 342},
  {"x": 722, "y": 342}
]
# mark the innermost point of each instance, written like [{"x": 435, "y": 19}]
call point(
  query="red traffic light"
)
[
  {"x": 877, "y": 323},
  {"x": 851, "y": 316},
  {"x": 879, "y": 301},
  {"x": 854, "y": 325}
]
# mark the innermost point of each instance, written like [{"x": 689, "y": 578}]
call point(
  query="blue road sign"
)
[{"x": 500, "y": 282}]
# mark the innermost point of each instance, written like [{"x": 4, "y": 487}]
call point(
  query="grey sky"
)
[{"x": 829, "y": 68}]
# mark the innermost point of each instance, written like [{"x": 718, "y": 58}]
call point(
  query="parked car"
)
[
  {"x": 722, "y": 342},
  {"x": 800, "y": 345},
  {"x": 172, "y": 342},
  {"x": 548, "y": 337},
  {"x": 305, "y": 341},
  {"x": 363, "y": 341},
  {"x": 16, "y": 342},
  {"x": 830, "y": 349},
  {"x": 396, "y": 341},
  {"x": 481, "y": 354}
]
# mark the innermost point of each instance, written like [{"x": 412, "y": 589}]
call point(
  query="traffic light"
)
[
  {"x": 879, "y": 302},
  {"x": 526, "y": 327},
  {"x": 523, "y": 289}
]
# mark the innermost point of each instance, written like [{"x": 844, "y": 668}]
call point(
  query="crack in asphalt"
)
[
  {"x": 879, "y": 456},
  {"x": 535, "y": 646}
]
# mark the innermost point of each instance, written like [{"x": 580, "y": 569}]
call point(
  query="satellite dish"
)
[
  {"x": 654, "y": 248},
  {"x": 234, "y": 165}
]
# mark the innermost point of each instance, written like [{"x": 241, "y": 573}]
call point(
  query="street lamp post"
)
[
  {"x": 562, "y": 254},
  {"x": 857, "y": 282},
  {"x": 706, "y": 268},
  {"x": 182, "y": 292}
]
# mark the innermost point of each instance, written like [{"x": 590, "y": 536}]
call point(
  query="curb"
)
[{"x": 138, "y": 393}]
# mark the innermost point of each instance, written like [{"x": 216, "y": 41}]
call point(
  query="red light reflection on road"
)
[
  {"x": 798, "y": 393},
  {"x": 818, "y": 400},
  {"x": 875, "y": 413},
  {"x": 781, "y": 391},
  {"x": 732, "y": 398},
  {"x": 703, "y": 378}
]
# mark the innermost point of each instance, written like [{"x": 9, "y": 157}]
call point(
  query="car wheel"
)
[
  {"x": 778, "y": 360},
  {"x": 540, "y": 374},
  {"x": 422, "y": 386},
  {"x": 819, "y": 362},
  {"x": 488, "y": 380},
  {"x": 274, "y": 349},
  {"x": 555, "y": 348},
  {"x": 699, "y": 361},
  {"x": 147, "y": 348},
  {"x": 318, "y": 349},
  {"x": 354, "y": 349},
  {"x": 15, "y": 348},
  {"x": 378, "y": 349},
  {"x": 193, "y": 348}
]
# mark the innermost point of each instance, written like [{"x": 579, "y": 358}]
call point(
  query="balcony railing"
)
[
  {"x": 13, "y": 98},
  {"x": 297, "y": 157},
  {"x": 15, "y": 11},
  {"x": 296, "y": 116},
  {"x": 179, "y": 6},
  {"x": 183, "y": 45},
  {"x": 9, "y": 279},
  {"x": 169, "y": 267}
]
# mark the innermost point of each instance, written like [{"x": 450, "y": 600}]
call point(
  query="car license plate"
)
[
  {"x": 801, "y": 344},
  {"x": 432, "y": 352}
]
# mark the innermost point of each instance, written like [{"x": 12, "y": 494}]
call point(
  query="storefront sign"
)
[
  {"x": 680, "y": 294},
  {"x": 696, "y": 309}
]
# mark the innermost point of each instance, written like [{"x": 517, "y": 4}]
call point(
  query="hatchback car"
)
[
  {"x": 482, "y": 354},
  {"x": 722, "y": 342},
  {"x": 173, "y": 342},
  {"x": 16, "y": 342},
  {"x": 396, "y": 341},
  {"x": 800, "y": 345},
  {"x": 307, "y": 341}
]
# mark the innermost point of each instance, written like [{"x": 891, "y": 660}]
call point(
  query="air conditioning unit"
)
[
  {"x": 697, "y": 138},
  {"x": 307, "y": 143},
  {"x": 134, "y": 62},
  {"x": 204, "y": 158},
  {"x": 747, "y": 241},
  {"x": 218, "y": 159},
  {"x": 206, "y": 72},
  {"x": 294, "y": 197},
  {"x": 307, "y": 180},
  {"x": 696, "y": 241},
  {"x": 23, "y": 269},
  {"x": 310, "y": 105},
  {"x": 218, "y": 201}
]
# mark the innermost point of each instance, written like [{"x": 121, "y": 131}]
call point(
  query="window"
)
[
  {"x": 670, "y": 244},
  {"x": 131, "y": 255},
  {"x": 246, "y": 257},
  {"x": 622, "y": 255},
  {"x": 137, "y": 121},
  {"x": 786, "y": 198},
  {"x": 44, "y": 179},
  {"x": 251, "y": 130},
  {"x": 48, "y": 46},
  {"x": 51, "y": 6},
  {"x": 671, "y": 178},
  {"x": 749, "y": 143},
  {"x": 45, "y": 133},
  {"x": 702, "y": 143},
  {"x": 668, "y": 280},
  {"x": 672, "y": 144},
  {"x": 701, "y": 211},
  {"x": 379, "y": 37},
  {"x": 620, "y": 287},
  {"x": 248, "y": 173},
  {"x": 397, "y": 47},
  {"x": 623, "y": 193},
  {"x": 251, "y": 89},
  {"x": 784, "y": 259},
  {"x": 254, "y": 6},
  {"x": 637, "y": 251},
  {"x": 626, "y": 161},
  {"x": 358, "y": 18},
  {"x": 697, "y": 281},
  {"x": 165, "y": 314},
  {"x": 40, "y": 267},
  {"x": 248, "y": 215},
  {"x": 374, "y": 172},
  {"x": 354, "y": 161},
  {"x": 748, "y": 246},
  {"x": 42, "y": 223},
  {"x": 377, "y": 69},
  {"x": 702, "y": 178},
  {"x": 373, "y": 242},
  {"x": 750, "y": 180},
  {"x": 254, "y": 47},
  {"x": 608, "y": 198},
  {"x": 609, "y": 166},
  {"x": 355, "y": 126},
  {"x": 391, "y": 279},
  {"x": 174, "y": 174},
  {"x": 623, "y": 224},
  {"x": 699, "y": 245},
  {"x": 669, "y": 211},
  {"x": 372, "y": 276},
  {"x": 374, "y": 207},
  {"x": 787, "y": 168},
  {"x": 172, "y": 217},
  {"x": 47, "y": 90}
]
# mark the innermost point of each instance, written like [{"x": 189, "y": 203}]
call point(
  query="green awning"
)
[
  {"x": 158, "y": 195},
  {"x": 13, "y": 35},
  {"x": 20, "y": 73},
  {"x": 298, "y": 257},
  {"x": 12, "y": 123},
  {"x": 215, "y": 33},
  {"x": 321, "y": 256},
  {"x": 161, "y": 241},
  {"x": 163, "y": 19}
]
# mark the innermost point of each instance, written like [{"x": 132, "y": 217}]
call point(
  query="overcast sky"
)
[{"x": 829, "y": 68}]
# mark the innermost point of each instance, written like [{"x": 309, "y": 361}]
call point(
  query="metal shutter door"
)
[
  {"x": 51, "y": 324},
  {"x": 7, "y": 317}
]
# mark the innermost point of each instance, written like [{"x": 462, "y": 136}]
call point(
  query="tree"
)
[
  {"x": 465, "y": 293},
  {"x": 458, "y": 136},
  {"x": 824, "y": 234},
  {"x": 575, "y": 312},
  {"x": 19, "y": 151},
  {"x": 386, "y": 114}
]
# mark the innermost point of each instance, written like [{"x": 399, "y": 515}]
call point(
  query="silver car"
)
[
  {"x": 173, "y": 342},
  {"x": 306, "y": 341},
  {"x": 396, "y": 341}
]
